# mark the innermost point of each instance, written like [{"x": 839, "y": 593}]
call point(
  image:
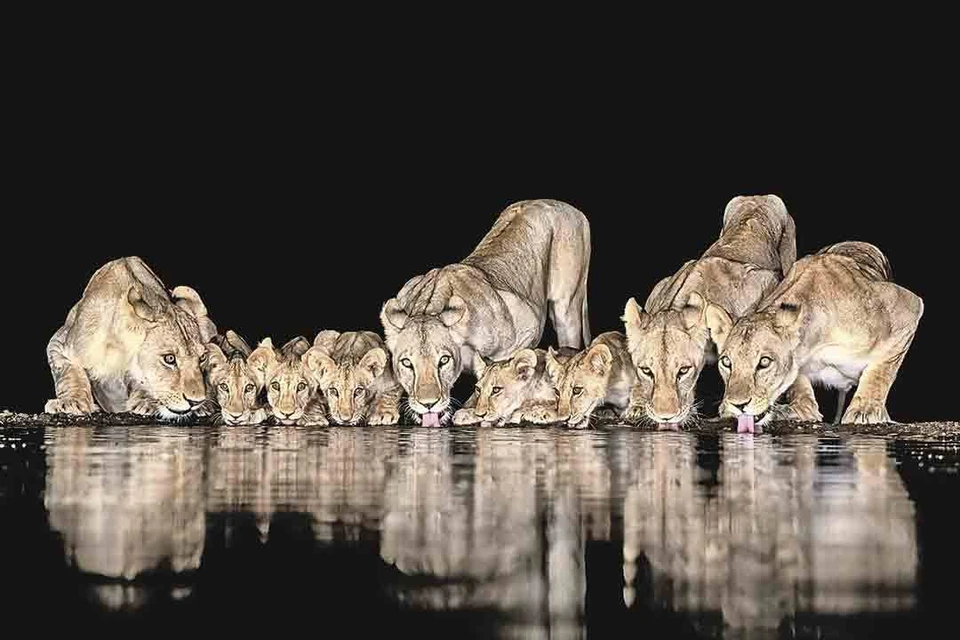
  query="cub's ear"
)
[
  {"x": 454, "y": 312},
  {"x": 787, "y": 315},
  {"x": 295, "y": 347},
  {"x": 374, "y": 361},
  {"x": 326, "y": 340},
  {"x": 479, "y": 365},
  {"x": 393, "y": 317},
  {"x": 236, "y": 342},
  {"x": 141, "y": 307},
  {"x": 719, "y": 324},
  {"x": 599, "y": 359},
  {"x": 525, "y": 363},
  {"x": 633, "y": 315},
  {"x": 262, "y": 361},
  {"x": 692, "y": 313},
  {"x": 215, "y": 358},
  {"x": 553, "y": 367},
  {"x": 317, "y": 363}
]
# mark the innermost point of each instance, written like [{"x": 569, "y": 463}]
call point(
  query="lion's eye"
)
[
  {"x": 577, "y": 391},
  {"x": 764, "y": 362},
  {"x": 444, "y": 360},
  {"x": 301, "y": 386},
  {"x": 359, "y": 391},
  {"x": 275, "y": 385},
  {"x": 683, "y": 371},
  {"x": 406, "y": 362},
  {"x": 495, "y": 390},
  {"x": 646, "y": 371},
  {"x": 223, "y": 387},
  {"x": 333, "y": 391},
  {"x": 203, "y": 357},
  {"x": 170, "y": 359},
  {"x": 478, "y": 389},
  {"x": 725, "y": 361},
  {"x": 249, "y": 388}
]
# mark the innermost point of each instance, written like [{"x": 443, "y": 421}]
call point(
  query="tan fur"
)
[
  {"x": 601, "y": 374},
  {"x": 292, "y": 391},
  {"x": 231, "y": 382},
  {"x": 668, "y": 339},
  {"x": 111, "y": 353},
  {"x": 837, "y": 320},
  {"x": 354, "y": 372},
  {"x": 534, "y": 261},
  {"x": 513, "y": 391}
]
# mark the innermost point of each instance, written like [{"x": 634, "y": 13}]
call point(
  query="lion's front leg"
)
[
  {"x": 315, "y": 413},
  {"x": 802, "y": 405},
  {"x": 74, "y": 394},
  {"x": 385, "y": 409}
]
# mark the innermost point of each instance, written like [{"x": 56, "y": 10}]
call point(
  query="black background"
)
[{"x": 299, "y": 197}]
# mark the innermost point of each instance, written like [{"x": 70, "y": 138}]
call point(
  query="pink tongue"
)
[
  {"x": 430, "y": 419},
  {"x": 744, "y": 423},
  {"x": 669, "y": 426}
]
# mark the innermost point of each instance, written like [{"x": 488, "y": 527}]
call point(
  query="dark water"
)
[{"x": 465, "y": 533}]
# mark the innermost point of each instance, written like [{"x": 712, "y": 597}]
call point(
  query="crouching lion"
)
[
  {"x": 534, "y": 261},
  {"x": 130, "y": 345},
  {"x": 836, "y": 319}
]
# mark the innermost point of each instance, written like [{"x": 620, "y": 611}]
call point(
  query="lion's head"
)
[
  {"x": 580, "y": 383},
  {"x": 232, "y": 381},
  {"x": 289, "y": 386},
  {"x": 503, "y": 386},
  {"x": 756, "y": 358},
  {"x": 667, "y": 348},
  {"x": 349, "y": 381},
  {"x": 426, "y": 355},
  {"x": 167, "y": 364}
]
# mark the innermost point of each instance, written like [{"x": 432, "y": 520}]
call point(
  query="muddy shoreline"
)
[{"x": 947, "y": 430}]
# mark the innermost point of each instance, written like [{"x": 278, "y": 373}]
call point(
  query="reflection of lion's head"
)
[
  {"x": 167, "y": 365},
  {"x": 289, "y": 386},
  {"x": 756, "y": 358},
  {"x": 233, "y": 383},
  {"x": 348, "y": 367},
  {"x": 426, "y": 355},
  {"x": 668, "y": 350}
]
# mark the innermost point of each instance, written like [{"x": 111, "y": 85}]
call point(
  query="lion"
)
[
  {"x": 495, "y": 302},
  {"x": 292, "y": 391},
  {"x": 353, "y": 370},
  {"x": 129, "y": 345},
  {"x": 513, "y": 391},
  {"x": 838, "y": 320},
  {"x": 601, "y": 374},
  {"x": 668, "y": 339},
  {"x": 231, "y": 382}
]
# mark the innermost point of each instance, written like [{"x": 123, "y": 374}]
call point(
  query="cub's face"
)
[
  {"x": 580, "y": 384},
  {"x": 234, "y": 387},
  {"x": 350, "y": 386},
  {"x": 757, "y": 363},
  {"x": 289, "y": 387},
  {"x": 502, "y": 387}
]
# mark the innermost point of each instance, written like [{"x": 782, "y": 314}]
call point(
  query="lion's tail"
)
[{"x": 868, "y": 257}]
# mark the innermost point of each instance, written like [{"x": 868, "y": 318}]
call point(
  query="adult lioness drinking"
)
[
  {"x": 129, "y": 345},
  {"x": 495, "y": 302},
  {"x": 669, "y": 341},
  {"x": 837, "y": 319}
]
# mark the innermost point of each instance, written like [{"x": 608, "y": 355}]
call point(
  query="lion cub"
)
[
  {"x": 837, "y": 319},
  {"x": 512, "y": 391},
  {"x": 231, "y": 382},
  {"x": 292, "y": 391},
  {"x": 600, "y": 374},
  {"x": 353, "y": 370}
]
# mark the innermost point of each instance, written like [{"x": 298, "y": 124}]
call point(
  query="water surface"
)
[{"x": 528, "y": 533}]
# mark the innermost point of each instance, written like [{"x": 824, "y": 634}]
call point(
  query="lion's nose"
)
[
  {"x": 428, "y": 403},
  {"x": 192, "y": 403},
  {"x": 479, "y": 414},
  {"x": 741, "y": 406}
]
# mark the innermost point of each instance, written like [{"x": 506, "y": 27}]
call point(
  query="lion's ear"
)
[
  {"x": 633, "y": 315},
  {"x": 599, "y": 358},
  {"x": 262, "y": 361},
  {"x": 553, "y": 367},
  {"x": 317, "y": 363},
  {"x": 236, "y": 342},
  {"x": 295, "y": 347},
  {"x": 692, "y": 313},
  {"x": 787, "y": 315},
  {"x": 326, "y": 340},
  {"x": 393, "y": 317},
  {"x": 141, "y": 307},
  {"x": 374, "y": 361},
  {"x": 479, "y": 365},
  {"x": 525, "y": 363},
  {"x": 215, "y": 358},
  {"x": 189, "y": 300},
  {"x": 455, "y": 311},
  {"x": 719, "y": 324}
]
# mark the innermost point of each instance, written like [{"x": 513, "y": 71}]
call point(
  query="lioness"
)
[
  {"x": 292, "y": 391},
  {"x": 513, "y": 391},
  {"x": 837, "y": 319},
  {"x": 231, "y": 382},
  {"x": 353, "y": 371},
  {"x": 495, "y": 302},
  {"x": 668, "y": 341},
  {"x": 129, "y": 345},
  {"x": 600, "y": 374}
]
